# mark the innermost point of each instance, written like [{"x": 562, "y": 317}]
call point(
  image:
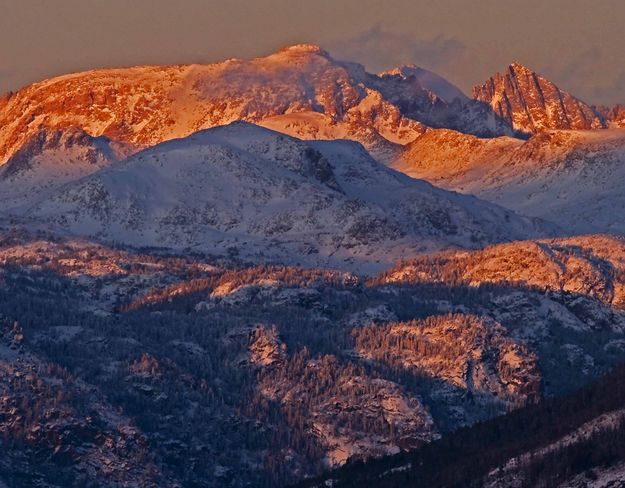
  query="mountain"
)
[
  {"x": 50, "y": 159},
  {"x": 248, "y": 191},
  {"x": 569, "y": 177},
  {"x": 560, "y": 441},
  {"x": 428, "y": 98},
  {"x": 433, "y": 83},
  {"x": 146, "y": 105},
  {"x": 300, "y": 89},
  {"x": 210, "y": 276},
  {"x": 531, "y": 103}
]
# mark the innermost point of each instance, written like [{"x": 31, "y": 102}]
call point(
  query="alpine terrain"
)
[{"x": 289, "y": 271}]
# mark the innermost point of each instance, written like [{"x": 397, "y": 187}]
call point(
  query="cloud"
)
[
  {"x": 580, "y": 74},
  {"x": 612, "y": 92},
  {"x": 583, "y": 66},
  {"x": 6, "y": 80},
  {"x": 589, "y": 76},
  {"x": 380, "y": 49}
]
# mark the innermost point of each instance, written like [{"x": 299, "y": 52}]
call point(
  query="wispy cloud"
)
[
  {"x": 586, "y": 77},
  {"x": 611, "y": 92},
  {"x": 583, "y": 64},
  {"x": 381, "y": 49},
  {"x": 7, "y": 77}
]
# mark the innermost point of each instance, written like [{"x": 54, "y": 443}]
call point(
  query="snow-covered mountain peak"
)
[
  {"x": 276, "y": 150},
  {"x": 430, "y": 81},
  {"x": 146, "y": 105},
  {"x": 269, "y": 197},
  {"x": 304, "y": 48}
]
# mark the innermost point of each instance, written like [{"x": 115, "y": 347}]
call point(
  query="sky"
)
[{"x": 578, "y": 44}]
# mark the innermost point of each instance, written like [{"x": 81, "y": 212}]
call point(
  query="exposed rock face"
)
[
  {"x": 465, "y": 351},
  {"x": 350, "y": 414},
  {"x": 531, "y": 103},
  {"x": 425, "y": 96},
  {"x": 367, "y": 403},
  {"x": 436, "y": 85},
  {"x": 266, "y": 348},
  {"x": 147, "y": 105},
  {"x": 616, "y": 116}
]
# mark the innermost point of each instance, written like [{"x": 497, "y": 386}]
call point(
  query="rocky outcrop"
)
[
  {"x": 590, "y": 266},
  {"x": 461, "y": 351},
  {"x": 347, "y": 413},
  {"x": 266, "y": 348},
  {"x": 531, "y": 103}
]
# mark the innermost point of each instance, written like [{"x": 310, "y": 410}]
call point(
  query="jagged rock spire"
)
[{"x": 530, "y": 103}]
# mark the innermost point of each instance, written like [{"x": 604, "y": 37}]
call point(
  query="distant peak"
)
[
  {"x": 531, "y": 103},
  {"x": 433, "y": 83},
  {"x": 304, "y": 49},
  {"x": 517, "y": 67},
  {"x": 403, "y": 70}
]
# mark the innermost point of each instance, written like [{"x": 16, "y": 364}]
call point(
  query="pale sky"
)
[{"x": 578, "y": 44}]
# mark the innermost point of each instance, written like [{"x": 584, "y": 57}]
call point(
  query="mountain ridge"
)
[
  {"x": 567, "y": 176},
  {"x": 144, "y": 105},
  {"x": 248, "y": 184}
]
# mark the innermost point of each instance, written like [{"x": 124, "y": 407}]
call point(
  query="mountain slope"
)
[
  {"x": 50, "y": 159},
  {"x": 587, "y": 265},
  {"x": 57, "y": 428},
  {"x": 146, "y": 105},
  {"x": 435, "y": 84},
  {"x": 530, "y": 103},
  {"x": 426, "y": 97},
  {"x": 569, "y": 177},
  {"x": 575, "y": 441},
  {"x": 244, "y": 189},
  {"x": 281, "y": 372},
  {"x": 613, "y": 116}
]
